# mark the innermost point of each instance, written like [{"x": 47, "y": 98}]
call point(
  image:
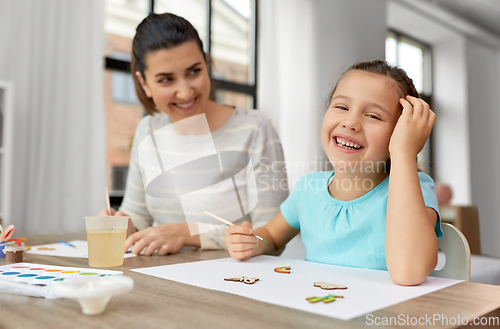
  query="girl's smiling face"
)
[
  {"x": 360, "y": 120},
  {"x": 177, "y": 80}
]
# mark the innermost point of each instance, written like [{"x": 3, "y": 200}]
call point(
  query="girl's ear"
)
[{"x": 143, "y": 83}]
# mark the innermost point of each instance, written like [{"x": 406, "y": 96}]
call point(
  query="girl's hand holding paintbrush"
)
[
  {"x": 243, "y": 241},
  {"x": 240, "y": 241}
]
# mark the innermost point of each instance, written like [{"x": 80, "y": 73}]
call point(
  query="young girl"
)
[
  {"x": 375, "y": 210},
  {"x": 172, "y": 82}
]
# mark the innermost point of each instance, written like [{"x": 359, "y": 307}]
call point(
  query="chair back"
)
[{"x": 455, "y": 247}]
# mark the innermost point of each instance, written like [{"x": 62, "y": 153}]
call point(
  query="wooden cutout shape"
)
[
  {"x": 243, "y": 279},
  {"x": 326, "y": 299},
  {"x": 7, "y": 233},
  {"x": 329, "y": 286},
  {"x": 283, "y": 269},
  {"x": 238, "y": 279}
]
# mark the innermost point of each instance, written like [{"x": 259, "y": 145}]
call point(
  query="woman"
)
[{"x": 171, "y": 77}]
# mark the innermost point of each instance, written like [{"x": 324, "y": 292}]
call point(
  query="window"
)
[
  {"x": 228, "y": 31},
  {"x": 412, "y": 56},
  {"x": 415, "y": 58},
  {"x": 122, "y": 86},
  {"x": 119, "y": 178}
]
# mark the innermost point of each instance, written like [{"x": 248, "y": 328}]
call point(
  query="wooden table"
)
[{"x": 160, "y": 303}]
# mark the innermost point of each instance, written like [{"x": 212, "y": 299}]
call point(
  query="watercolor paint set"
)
[{"x": 39, "y": 274}]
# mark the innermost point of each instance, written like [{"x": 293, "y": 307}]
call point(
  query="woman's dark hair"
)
[
  {"x": 156, "y": 32},
  {"x": 402, "y": 80}
]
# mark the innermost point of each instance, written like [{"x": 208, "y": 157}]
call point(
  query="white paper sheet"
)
[
  {"x": 368, "y": 290},
  {"x": 80, "y": 250}
]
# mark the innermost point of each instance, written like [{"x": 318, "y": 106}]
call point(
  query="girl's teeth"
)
[
  {"x": 347, "y": 145},
  {"x": 183, "y": 106}
]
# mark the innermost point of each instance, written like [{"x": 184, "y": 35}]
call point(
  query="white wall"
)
[
  {"x": 345, "y": 32},
  {"x": 286, "y": 75},
  {"x": 304, "y": 46},
  {"x": 451, "y": 131},
  {"x": 483, "y": 72}
]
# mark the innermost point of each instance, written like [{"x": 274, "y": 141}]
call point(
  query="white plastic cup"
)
[{"x": 106, "y": 240}]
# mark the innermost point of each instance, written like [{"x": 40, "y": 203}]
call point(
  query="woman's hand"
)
[
  {"x": 165, "y": 238},
  {"x": 130, "y": 228},
  {"x": 413, "y": 127},
  {"x": 240, "y": 241}
]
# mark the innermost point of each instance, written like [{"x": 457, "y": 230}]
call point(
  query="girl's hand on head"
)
[
  {"x": 240, "y": 241},
  {"x": 413, "y": 127}
]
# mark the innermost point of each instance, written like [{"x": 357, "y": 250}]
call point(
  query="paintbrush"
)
[
  {"x": 107, "y": 200},
  {"x": 231, "y": 224}
]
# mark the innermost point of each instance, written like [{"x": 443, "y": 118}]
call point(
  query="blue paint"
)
[
  {"x": 10, "y": 274},
  {"x": 2, "y": 245},
  {"x": 45, "y": 277}
]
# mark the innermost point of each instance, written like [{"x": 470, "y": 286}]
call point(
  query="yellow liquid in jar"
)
[{"x": 106, "y": 248}]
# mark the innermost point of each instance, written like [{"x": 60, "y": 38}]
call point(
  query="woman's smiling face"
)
[
  {"x": 360, "y": 120},
  {"x": 177, "y": 80}
]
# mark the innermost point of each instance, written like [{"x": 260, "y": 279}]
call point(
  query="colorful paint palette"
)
[{"x": 47, "y": 274}]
